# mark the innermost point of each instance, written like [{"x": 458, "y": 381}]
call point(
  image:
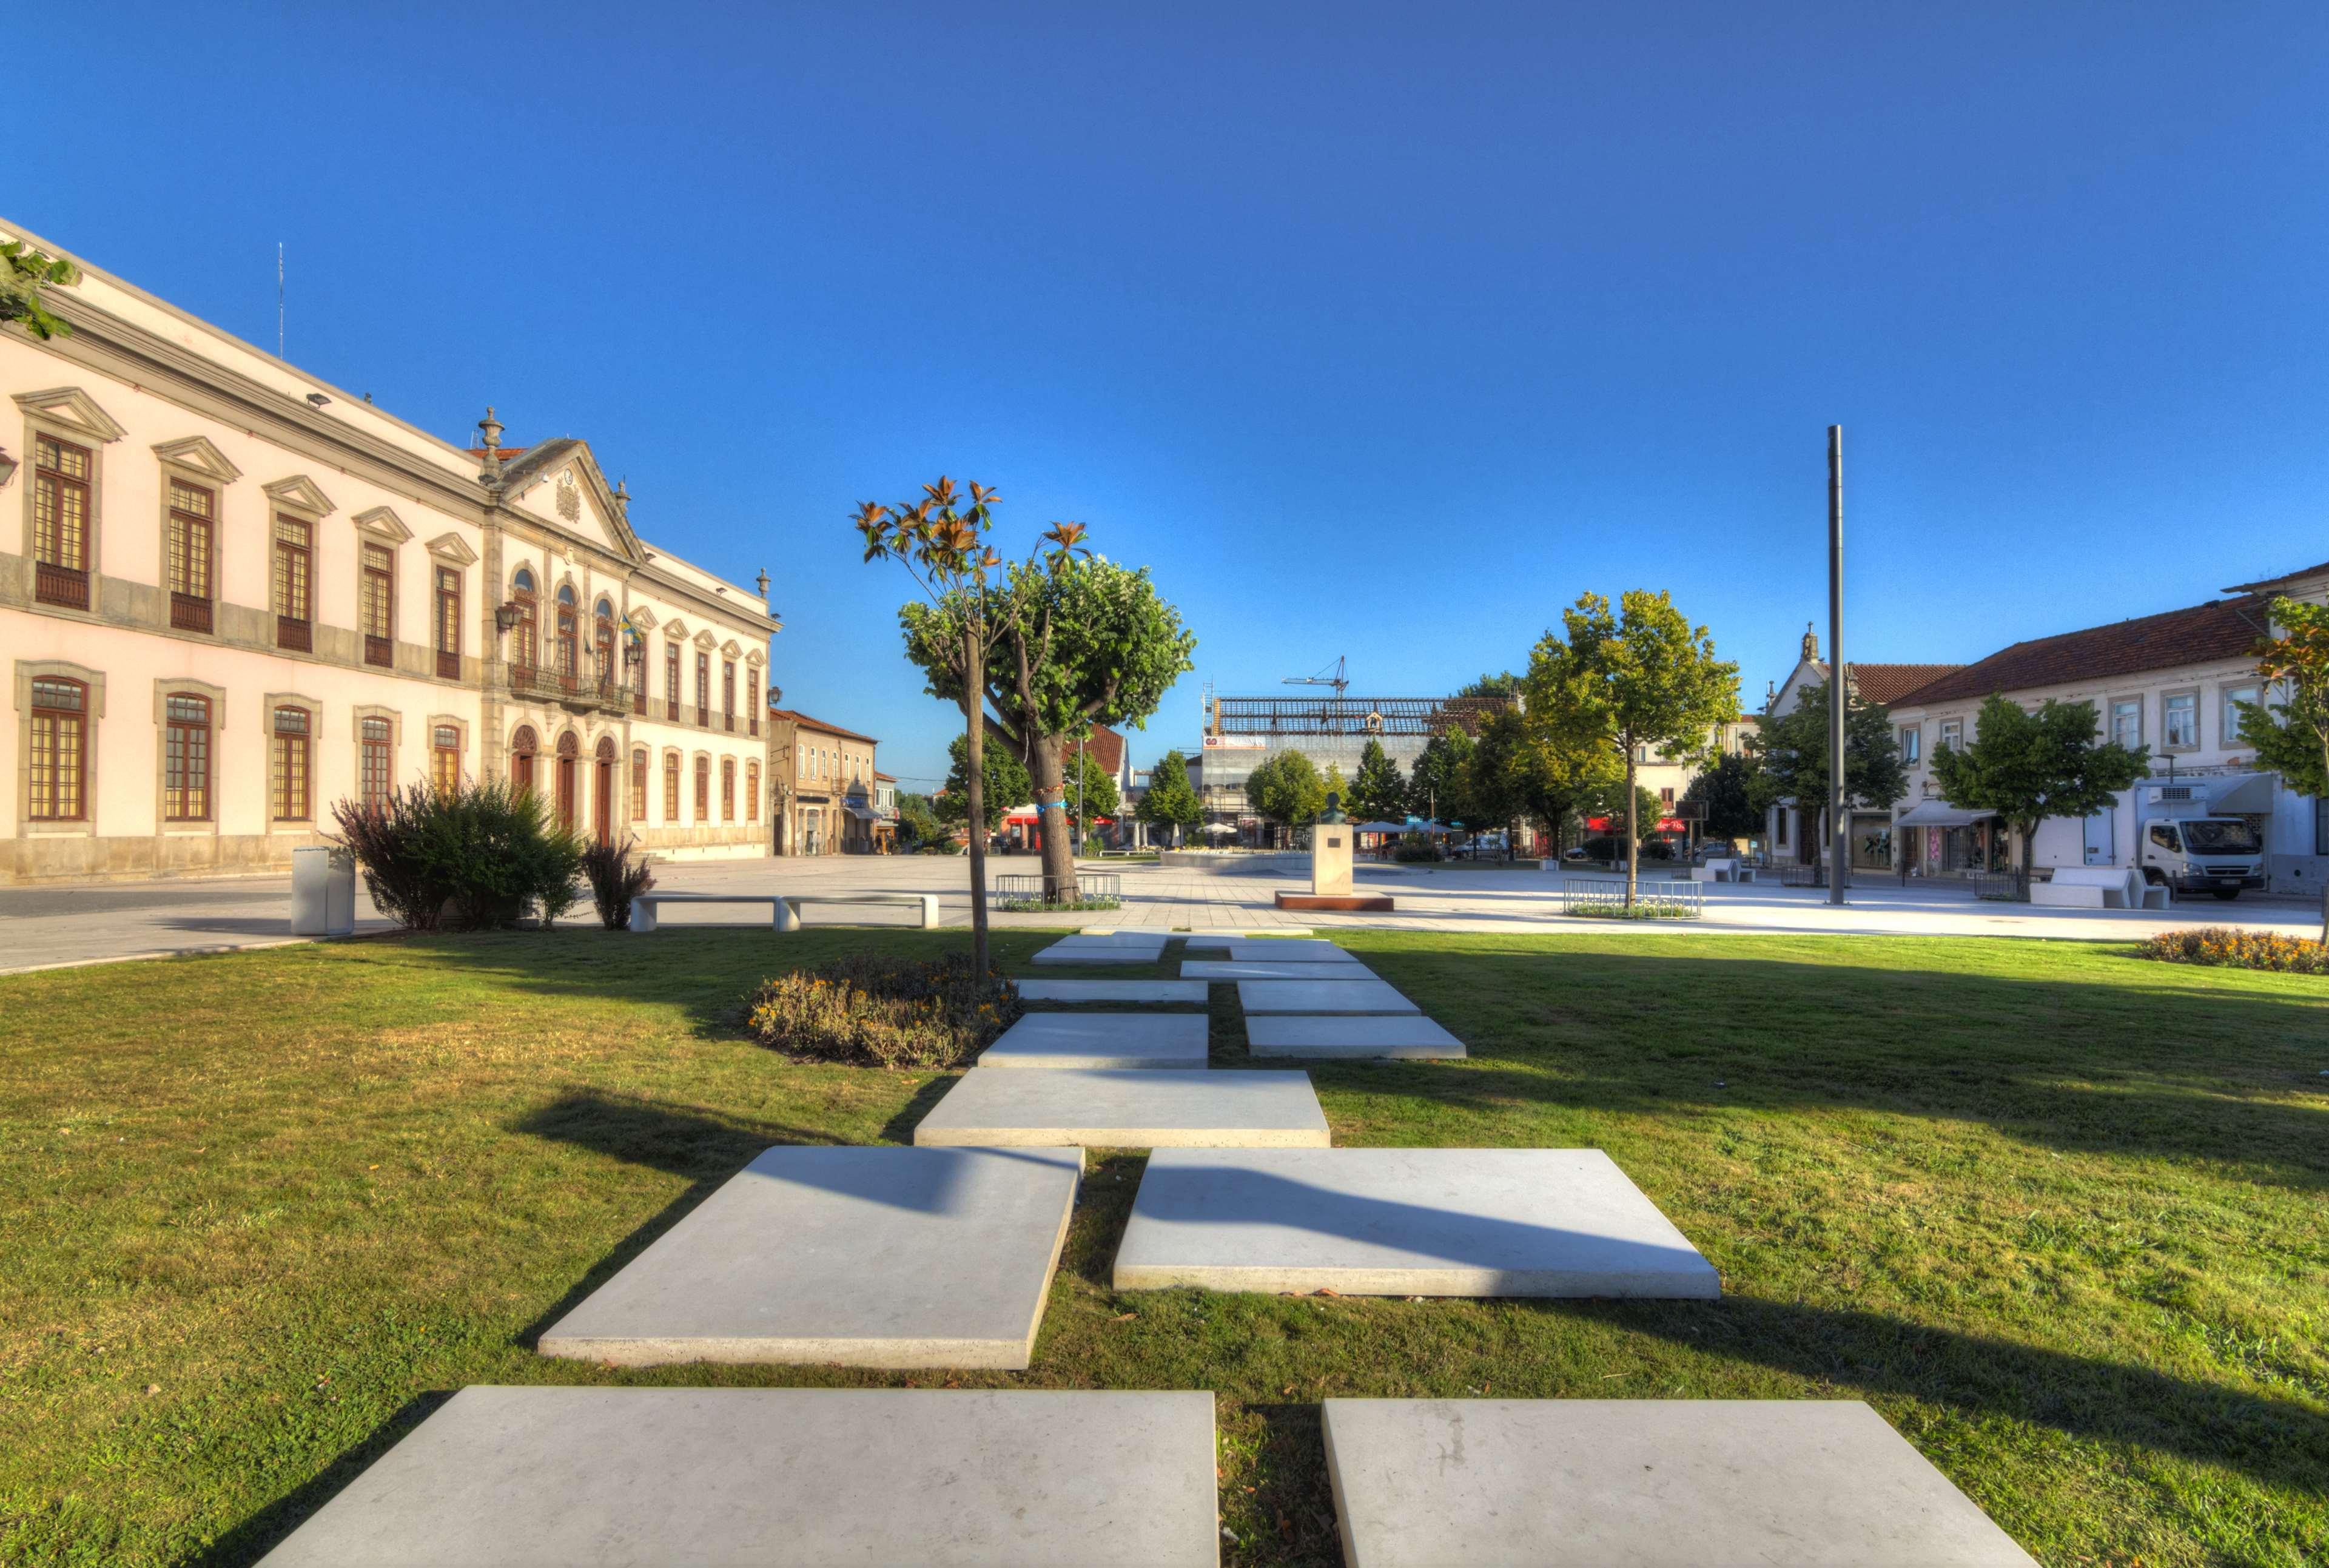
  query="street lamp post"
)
[{"x": 1839, "y": 688}]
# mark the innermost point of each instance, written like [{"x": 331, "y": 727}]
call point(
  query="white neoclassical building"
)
[{"x": 231, "y": 596}]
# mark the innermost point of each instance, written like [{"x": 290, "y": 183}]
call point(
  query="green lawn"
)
[{"x": 2058, "y": 1214}]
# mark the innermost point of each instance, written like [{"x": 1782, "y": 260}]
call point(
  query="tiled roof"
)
[
  {"x": 1888, "y": 684},
  {"x": 884, "y": 777},
  {"x": 1106, "y": 748},
  {"x": 2276, "y": 582},
  {"x": 2221, "y": 629},
  {"x": 819, "y": 726}
]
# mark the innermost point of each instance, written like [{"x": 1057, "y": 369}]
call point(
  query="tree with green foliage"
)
[
  {"x": 1724, "y": 796},
  {"x": 1497, "y": 685},
  {"x": 1637, "y": 680},
  {"x": 1606, "y": 798},
  {"x": 1090, "y": 791},
  {"x": 1169, "y": 802},
  {"x": 1336, "y": 786},
  {"x": 1006, "y": 780},
  {"x": 1550, "y": 769},
  {"x": 1791, "y": 756},
  {"x": 1286, "y": 790},
  {"x": 2291, "y": 735},
  {"x": 968, "y": 599},
  {"x": 1435, "y": 785},
  {"x": 2030, "y": 766},
  {"x": 1490, "y": 784},
  {"x": 918, "y": 820},
  {"x": 24, "y": 274},
  {"x": 1379, "y": 792},
  {"x": 1085, "y": 641}
]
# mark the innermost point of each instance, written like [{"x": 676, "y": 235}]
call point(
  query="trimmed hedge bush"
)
[{"x": 469, "y": 859}]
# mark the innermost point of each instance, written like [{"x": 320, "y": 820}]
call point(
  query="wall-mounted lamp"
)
[
  {"x": 8, "y": 469},
  {"x": 505, "y": 617},
  {"x": 317, "y": 400}
]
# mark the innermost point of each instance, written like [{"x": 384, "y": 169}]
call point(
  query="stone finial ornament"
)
[{"x": 490, "y": 428}]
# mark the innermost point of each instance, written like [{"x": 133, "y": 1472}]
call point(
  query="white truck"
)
[{"x": 2179, "y": 845}]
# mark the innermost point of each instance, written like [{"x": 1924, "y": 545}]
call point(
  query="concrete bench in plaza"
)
[
  {"x": 1722, "y": 870},
  {"x": 2099, "y": 887},
  {"x": 785, "y": 907}
]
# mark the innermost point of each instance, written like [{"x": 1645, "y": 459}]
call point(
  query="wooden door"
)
[{"x": 604, "y": 812}]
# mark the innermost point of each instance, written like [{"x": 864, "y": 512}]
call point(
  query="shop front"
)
[{"x": 1937, "y": 839}]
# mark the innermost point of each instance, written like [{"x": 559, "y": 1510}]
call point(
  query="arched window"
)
[
  {"x": 602, "y": 641},
  {"x": 294, "y": 758},
  {"x": 671, "y": 786},
  {"x": 523, "y": 746},
  {"x": 60, "y": 783},
  {"x": 525, "y": 651},
  {"x": 702, "y": 788},
  {"x": 444, "y": 758},
  {"x": 639, "y": 784},
  {"x": 569, "y": 751},
  {"x": 186, "y": 758},
  {"x": 727, "y": 788},
  {"x": 751, "y": 791},
  {"x": 567, "y": 630},
  {"x": 602, "y": 788}
]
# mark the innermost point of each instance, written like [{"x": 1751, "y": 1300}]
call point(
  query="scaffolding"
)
[{"x": 1355, "y": 716}]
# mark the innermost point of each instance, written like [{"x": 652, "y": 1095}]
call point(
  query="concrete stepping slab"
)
[
  {"x": 1407, "y": 1035},
  {"x": 638, "y": 1477},
  {"x": 861, "y": 1257},
  {"x": 1101, "y": 1040},
  {"x": 1236, "y": 969},
  {"x": 1060, "y": 953},
  {"x": 1168, "y": 1108},
  {"x": 1336, "y": 996},
  {"x": 1311, "y": 951},
  {"x": 1217, "y": 935},
  {"x": 1404, "y": 1221},
  {"x": 1114, "y": 938},
  {"x": 1193, "y": 992},
  {"x": 1655, "y": 1483}
]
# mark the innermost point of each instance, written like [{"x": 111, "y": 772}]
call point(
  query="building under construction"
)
[{"x": 1243, "y": 732}]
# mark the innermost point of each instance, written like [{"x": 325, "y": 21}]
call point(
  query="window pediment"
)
[
  {"x": 300, "y": 495},
  {"x": 641, "y": 616},
  {"x": 197, "y": 453},
  {"x": 676, "y": 630},
  {"x": 453, "y": 550},
  {"x": 732, "y": 649},
  {"x": 74, "y": 408},
  {"x": 384, "y": 524},
  {"x": 705, "y": 641}
]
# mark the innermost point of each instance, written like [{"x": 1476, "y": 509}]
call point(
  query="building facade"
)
[
  {"x": 825, "y": 798},
  {"x": 232, "y": 597},
  {"x": 1241, "y": 733}
]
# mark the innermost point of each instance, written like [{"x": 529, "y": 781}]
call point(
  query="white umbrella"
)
[{"x": 1217, "y": 829}]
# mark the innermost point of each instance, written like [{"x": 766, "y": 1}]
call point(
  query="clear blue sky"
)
[{"x": 1374, "y": 331}]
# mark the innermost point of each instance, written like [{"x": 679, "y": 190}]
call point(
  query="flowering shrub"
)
[
  {"x": 886, "y": 1012},
  {"x": 2238, "y": 949}
]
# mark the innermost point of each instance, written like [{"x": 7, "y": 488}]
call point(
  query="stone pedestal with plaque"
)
[{"x": 1332, "y": 839}]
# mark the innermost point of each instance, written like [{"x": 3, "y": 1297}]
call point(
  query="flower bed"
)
[
  {"x": 883, "y": 1011},
  {"x": 2232, "y": 948}
]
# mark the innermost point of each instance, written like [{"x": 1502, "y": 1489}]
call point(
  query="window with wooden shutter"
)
[
  {"x": 194, "y": 522},
  {"x": 751, "y": 791},
  {"x": 295, "y": 585},
  {"x": 60, "y": 750},
  {"x": 671, "y": 786},
  {"x": 377, "y": 606},
  {"x": 444, "y": 758},
  {"x": 294, "y": 747},
  {"x": 61, "y": 520},
  {"x": 639, "y": 784},
  {"x": 448, "y": 624},
  {"x": 704, "y": 788},
  {"x": 186, "y": 759}
]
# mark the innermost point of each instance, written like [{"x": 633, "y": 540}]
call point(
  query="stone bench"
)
[
  {"x": 785, "y": 907},
  {"x": 1722, "y": 870},
  {"x": 2097, "y": 887}
]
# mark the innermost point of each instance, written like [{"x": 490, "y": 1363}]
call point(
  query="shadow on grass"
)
[
  {"x": 265, "y": 1530},
  {"x": 2280, "y": 1442},
  {"x": 899, "y": 1127}
]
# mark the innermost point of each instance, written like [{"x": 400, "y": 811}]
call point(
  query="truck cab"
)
[{"x": 2195, "y": 854}]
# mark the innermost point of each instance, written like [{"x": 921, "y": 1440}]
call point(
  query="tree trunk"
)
[
  {"x": 1048, "y": 768},
  {"x": 1633, "y": 839},
  {"x": 974, "y": 687}
]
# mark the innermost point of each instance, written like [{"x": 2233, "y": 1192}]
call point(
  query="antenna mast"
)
[{"x": 278, "y": 299}]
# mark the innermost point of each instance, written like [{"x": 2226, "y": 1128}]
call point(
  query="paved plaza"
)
[{"x": 44, "y": 927}]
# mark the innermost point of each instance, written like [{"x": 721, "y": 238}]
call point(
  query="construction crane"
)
[{"x": 1333, "y": 676}]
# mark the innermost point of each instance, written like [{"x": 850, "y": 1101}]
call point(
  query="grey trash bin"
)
[{"x": 323, "y": 893}]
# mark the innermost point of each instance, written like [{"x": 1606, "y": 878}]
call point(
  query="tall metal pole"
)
[{"x": 1839, "y": 688}]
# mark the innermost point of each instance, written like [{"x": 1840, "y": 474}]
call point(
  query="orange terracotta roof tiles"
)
[
  {"x": 819, "y": 726},
  {"x": 2221, "y": 629}
]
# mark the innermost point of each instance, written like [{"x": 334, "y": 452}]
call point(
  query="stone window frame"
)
[
  {"x": 194, "y": 460},
  {"x": 701, "y": 797},
  {"x": 727, "y": 790},
  {"x": 751, "y": 789},
  {"x": 67, "y": 414},
  {"x": 293, "y": 825},
  {"x": 453, "y": 553},
  {"x": 395, "y": 717},
  {"x": 2142, "y": 705},
  {"x": 202, "y": 827},
  {"x": 461, "y": 728},
  {"x": 641, "y": 765},
  {"x": 2199, "y": 724},
  {"x": 674, "y": 777},
  {"x": 85, "y": 825},
  {"x": 2227, "y": 719},
  {"x": 379, "y": 526},
  {"x": 1912, "y": 743}
]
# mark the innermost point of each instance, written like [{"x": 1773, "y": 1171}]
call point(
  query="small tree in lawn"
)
[
  {"x": 1554, "y": 773},
  {"x": 1641, "y": 679},
  {"x": 1005, "y": 780},
  {"x": 1791, "y": 754},
  {"x": 1435, "y": 785},
  {"x": 2291, "y": 736},
  {"x": 1378, "y": 793},
  {"x": 942, "y": 544},
  {"x": 1288, "y": 791},
  {"x": 918, "y": 820},
  {"x": 2029, "y": 767},
  {"x": 1170, "y": 803}
]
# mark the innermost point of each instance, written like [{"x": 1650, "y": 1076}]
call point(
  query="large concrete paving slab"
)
[
  {"x": 864, "y": 1257},
  {"x": 1166, "y": 1109},
  {"x": 1114, "y": 938},
  {"x": 1302, "y": 950},
  {"x": 640, "y": 1477},
  {"x": 1340, "y": 995},
  {"x": 1165, "y": 992},
  {"x": 1404, "y": 1221},
  {"x": 1101, "y": 1040},
  {"x": 1222, "y": 936},
  {"x": 1644, "y": 1483},
  {"x": 1124, "y": 949},
  {"x": 1255, "y": 969},
  {"x": 1409, "y": 1036}
]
